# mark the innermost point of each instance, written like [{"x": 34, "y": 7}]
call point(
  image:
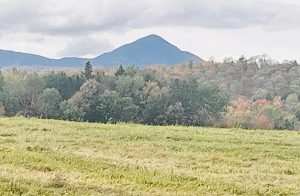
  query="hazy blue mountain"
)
[
  {"x": 19, "y": 59},
  {"x": 71, "y": 62},
  {"x": 150, "y": 50},
  {"x": 8, "y": 58}
]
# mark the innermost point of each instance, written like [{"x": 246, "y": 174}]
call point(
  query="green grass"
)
[{"x": 54, "y": 157}]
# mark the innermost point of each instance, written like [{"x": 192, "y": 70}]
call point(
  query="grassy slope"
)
[{"x": 47, "y": 156}]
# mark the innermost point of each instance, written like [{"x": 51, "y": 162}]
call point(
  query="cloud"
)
[
  {"x": 289, "y": 18},
  {"x": 210, "y": 14},
  {"x": 86, "y": 47},
  {"x": 66, "y": 17},
  {"x": 79, "y": 17},
  {"x": 57, "y": 28}
]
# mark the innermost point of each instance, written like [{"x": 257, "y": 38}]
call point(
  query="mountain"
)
[
  {"x": 19, "y": 59},
  {"x": 150, "y": 50}
]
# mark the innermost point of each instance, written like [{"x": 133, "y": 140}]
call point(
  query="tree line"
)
[
  {"x": 127, "y": 95},
  {"x": 248, "y": 93}
]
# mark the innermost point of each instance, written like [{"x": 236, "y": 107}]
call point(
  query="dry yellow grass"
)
[{"x": 56, "y": 157}]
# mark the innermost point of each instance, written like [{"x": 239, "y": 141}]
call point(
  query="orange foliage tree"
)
[{"x": 239, "y": 113}]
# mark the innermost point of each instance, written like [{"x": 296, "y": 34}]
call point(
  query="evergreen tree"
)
[
  {"x": 120, "y": 71},
  {"x": 2, "y": 82},
  {"x": 88, "y": 71},
  {"x": 66, "y": 85},
  {"x": 191, "y": 64}
]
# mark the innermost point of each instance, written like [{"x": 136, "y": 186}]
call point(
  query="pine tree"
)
[
  {"x": 88, "y": 71},
  {"x": 120, "y": 71},
  {"x": 191, "y": 64}
]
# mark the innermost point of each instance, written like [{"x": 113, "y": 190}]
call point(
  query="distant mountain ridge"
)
[
  {"x": 11, "y": 58},
  {"x": 150, "y": 50}
]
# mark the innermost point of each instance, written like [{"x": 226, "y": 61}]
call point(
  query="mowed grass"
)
[{"x": 49, "y": 157}]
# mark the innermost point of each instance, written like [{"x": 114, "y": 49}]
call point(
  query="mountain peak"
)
[
  {"x": 153, "y": 36},
  {"x": 149, "y": 50},
  {"x": 154, "y": 40}
]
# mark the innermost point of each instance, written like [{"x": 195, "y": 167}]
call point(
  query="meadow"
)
[{"x": 50, "y": 157}]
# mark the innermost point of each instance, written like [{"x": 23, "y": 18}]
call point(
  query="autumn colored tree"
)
[
  {"x": 261, "y": 121},
  {"x": 239, "y": 113}
]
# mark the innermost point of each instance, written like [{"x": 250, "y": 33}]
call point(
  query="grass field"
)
[{"x": 55, "y": 157}]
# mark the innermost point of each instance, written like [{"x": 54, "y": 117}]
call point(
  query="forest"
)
[{"x": 254, "y": 93}]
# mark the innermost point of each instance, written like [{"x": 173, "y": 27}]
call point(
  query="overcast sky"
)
[{"x": 87, "y": 28}]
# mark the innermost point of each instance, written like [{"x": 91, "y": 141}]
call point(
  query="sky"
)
[{"x": 207, "y": 28}]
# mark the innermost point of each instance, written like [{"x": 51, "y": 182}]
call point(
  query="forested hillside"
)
[{"x": 248, "y": 93}]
